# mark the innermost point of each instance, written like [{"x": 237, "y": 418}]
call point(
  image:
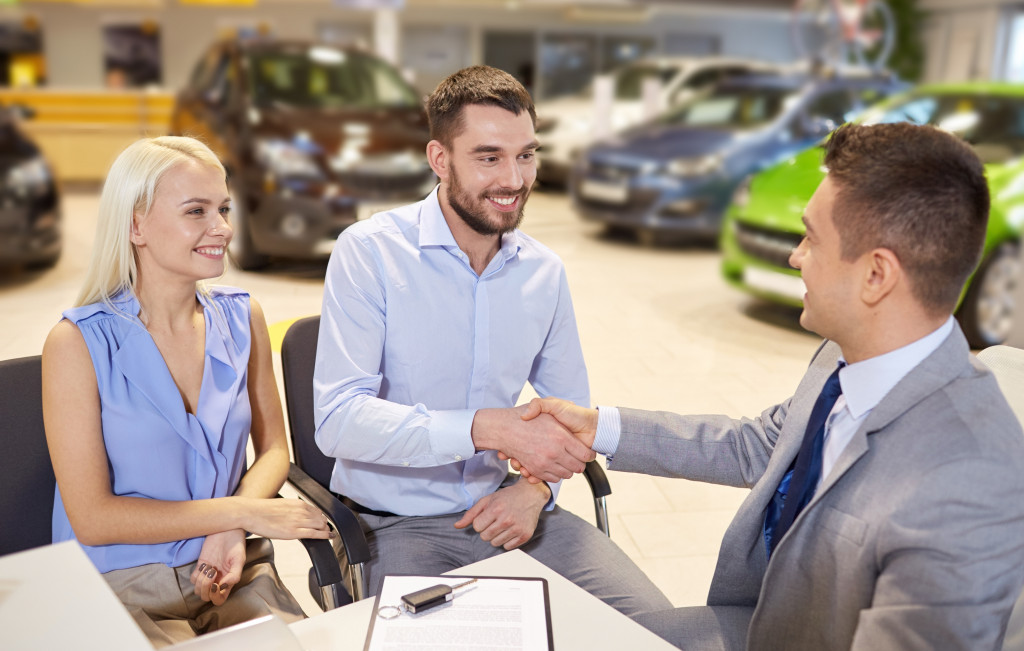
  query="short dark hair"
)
[
  {"x": 473, "y": 85},
  {"x": 917, "y": 191}
]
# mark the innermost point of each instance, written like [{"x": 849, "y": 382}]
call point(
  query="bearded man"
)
[{"x": 435, "y": 315}]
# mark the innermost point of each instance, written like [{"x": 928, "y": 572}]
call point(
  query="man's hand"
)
[
  {"x": 550, "y": 451},
  {"x": 219, "y": 567},
  {"x": 508, "y": 517},
  {"x": 582, "y": 422}
]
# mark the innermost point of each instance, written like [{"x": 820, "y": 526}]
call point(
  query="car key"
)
[{"x": 427, "y": 598}]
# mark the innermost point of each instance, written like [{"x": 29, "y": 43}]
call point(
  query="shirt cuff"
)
[
  {"x": 553, "y": 487},
  {"x": 609, "y": 430},
  {"x": 451, "y": 434}
]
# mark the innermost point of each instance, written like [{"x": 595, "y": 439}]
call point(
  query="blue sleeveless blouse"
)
[{"x": 156, "y": 449}]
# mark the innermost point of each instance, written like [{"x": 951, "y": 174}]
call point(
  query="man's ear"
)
[
  {"x": 136, "y": 236},
  {"x": 882, "y": 274},
  {"x": 437, "y": 156}
]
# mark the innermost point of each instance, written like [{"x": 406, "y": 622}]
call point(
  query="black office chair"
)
[
  {"x": 26, "y": 503},
  {"x": 298, "y": 356}
]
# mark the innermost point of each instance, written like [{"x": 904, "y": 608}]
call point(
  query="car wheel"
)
[
  {"x": 241, "y": 250},
  {"x": 987, "y": 313}
]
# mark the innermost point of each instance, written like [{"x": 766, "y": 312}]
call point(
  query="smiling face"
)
[
  {"x": 831, "y": 298},
  {"x": 488, "y": 172},
  {"x": 185, "y": 234}
]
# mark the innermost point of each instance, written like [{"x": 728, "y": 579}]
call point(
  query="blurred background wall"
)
[
  {"x": 99, "y": 73},
  {"x": 560, "y": 43}
]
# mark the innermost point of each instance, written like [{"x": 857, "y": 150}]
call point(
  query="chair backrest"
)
[
  {"x": 26, "y": 503},
  {"x": 1007, "y": 363},
  {"x": 298, "y": 355}
]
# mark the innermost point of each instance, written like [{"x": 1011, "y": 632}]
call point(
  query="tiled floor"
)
[{"x": 660, "y": 330}]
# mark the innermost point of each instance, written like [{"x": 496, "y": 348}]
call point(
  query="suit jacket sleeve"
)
[
  {"x": 714, "y": 449},
  {"x": 717, "y": 449}
]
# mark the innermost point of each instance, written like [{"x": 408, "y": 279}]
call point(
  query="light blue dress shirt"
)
[
  {"x": 156, "y": 449},
  {"x": 864, "y": 385},
  {"x": 413, "y": 342}
]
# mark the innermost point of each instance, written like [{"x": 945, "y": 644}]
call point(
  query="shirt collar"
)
[
  {"x": 434, "y": 230},
  {"x": 865, "y": 383}
]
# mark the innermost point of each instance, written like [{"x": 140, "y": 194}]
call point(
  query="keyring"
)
[{"x": 389, "y": 612}]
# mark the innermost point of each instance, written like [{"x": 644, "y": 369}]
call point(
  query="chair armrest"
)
[
  {"x": 325, "y": 562},
  {"x": 597, "y": 479},
  {"x": 344, "y": 520}
]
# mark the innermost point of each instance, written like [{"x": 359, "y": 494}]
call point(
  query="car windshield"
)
[
  {"x": 994, "y": 126},
  {"x": 327, "y": 78},
  {"x": 733, "y": 108},
  {"x": 629, "y": 83}
]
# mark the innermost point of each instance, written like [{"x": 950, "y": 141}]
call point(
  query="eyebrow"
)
[
  {"x": 202, "y": 201},
  {"x": 491, "y": 149}
]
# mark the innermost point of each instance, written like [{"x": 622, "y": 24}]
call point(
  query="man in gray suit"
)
[{"x": 889, "y": 514}]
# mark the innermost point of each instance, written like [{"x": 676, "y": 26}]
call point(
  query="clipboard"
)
[{"x": 494, "y": 608}]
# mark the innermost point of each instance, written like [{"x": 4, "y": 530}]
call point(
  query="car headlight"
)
[
  {"x": 284, "y": 158},
  {"x": 741, "y": 197},
  {"x": 697, "y": 166},
  {"x": 32, "y": 174}
]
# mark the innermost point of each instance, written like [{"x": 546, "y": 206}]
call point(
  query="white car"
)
[{"x": 567, "y": 125}]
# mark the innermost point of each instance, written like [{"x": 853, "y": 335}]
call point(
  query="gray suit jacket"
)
[{"x": 915, "y": 540}]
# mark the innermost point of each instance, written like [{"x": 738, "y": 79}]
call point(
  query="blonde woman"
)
[{"x": 152, "y": 385}]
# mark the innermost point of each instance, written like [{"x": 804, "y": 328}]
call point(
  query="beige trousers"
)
[{"x": 162, "y": 601}]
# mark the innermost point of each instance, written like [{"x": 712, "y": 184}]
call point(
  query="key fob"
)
[{"x": 416, "y": 602}]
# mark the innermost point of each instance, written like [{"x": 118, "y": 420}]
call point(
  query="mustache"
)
[{"x": 506, "y": 193}]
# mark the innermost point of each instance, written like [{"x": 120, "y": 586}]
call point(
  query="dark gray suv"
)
[{"x": 314, "y": 138}]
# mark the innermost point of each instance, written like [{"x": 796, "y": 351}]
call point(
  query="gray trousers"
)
[
  {"x": 702, "y": 628},
  {"x": 565, "y": 543},
  {"x": 163, "y": 604}
]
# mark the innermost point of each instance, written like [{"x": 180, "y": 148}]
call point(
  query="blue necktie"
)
[{"x": 798, "y": 486}]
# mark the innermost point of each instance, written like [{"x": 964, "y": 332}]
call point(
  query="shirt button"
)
[
  {"x": 458, "y": 457},
  {"x": 405, "y": 463}
]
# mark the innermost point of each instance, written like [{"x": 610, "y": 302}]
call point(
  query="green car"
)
[{"x": 763, "y": 224}]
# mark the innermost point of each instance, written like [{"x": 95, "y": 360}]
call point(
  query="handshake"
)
[{"x": 546, "y": 440}]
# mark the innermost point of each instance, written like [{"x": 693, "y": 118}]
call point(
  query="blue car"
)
[{"x": 680, "y": 172}]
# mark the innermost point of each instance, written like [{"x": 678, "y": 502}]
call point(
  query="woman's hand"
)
[
  {"x": 219, "y": 567},
  {"x": 285, "y": 519}
]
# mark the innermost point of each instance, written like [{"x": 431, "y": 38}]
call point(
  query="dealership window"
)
[
  {"x": 131, "y": 55},
  {"x": 620, "y": 50},
  {"x": 568, "y": 63},
  {"x": 513, "y": 52}
]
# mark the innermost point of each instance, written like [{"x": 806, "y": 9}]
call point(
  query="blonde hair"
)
[{"x": 129, "y": 189}]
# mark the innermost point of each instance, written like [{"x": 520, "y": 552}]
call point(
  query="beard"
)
[{"x": 475, "y": 212}]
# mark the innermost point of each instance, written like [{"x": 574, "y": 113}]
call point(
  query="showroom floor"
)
[{"x": 660, "y": 330}]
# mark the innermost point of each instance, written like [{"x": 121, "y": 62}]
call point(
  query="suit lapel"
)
[{"x": 949, "y": 361}]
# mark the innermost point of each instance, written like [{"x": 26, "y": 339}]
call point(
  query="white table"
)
[
  {"x": 578, "y": 620},
  {"x": 52, "y": 597}
]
